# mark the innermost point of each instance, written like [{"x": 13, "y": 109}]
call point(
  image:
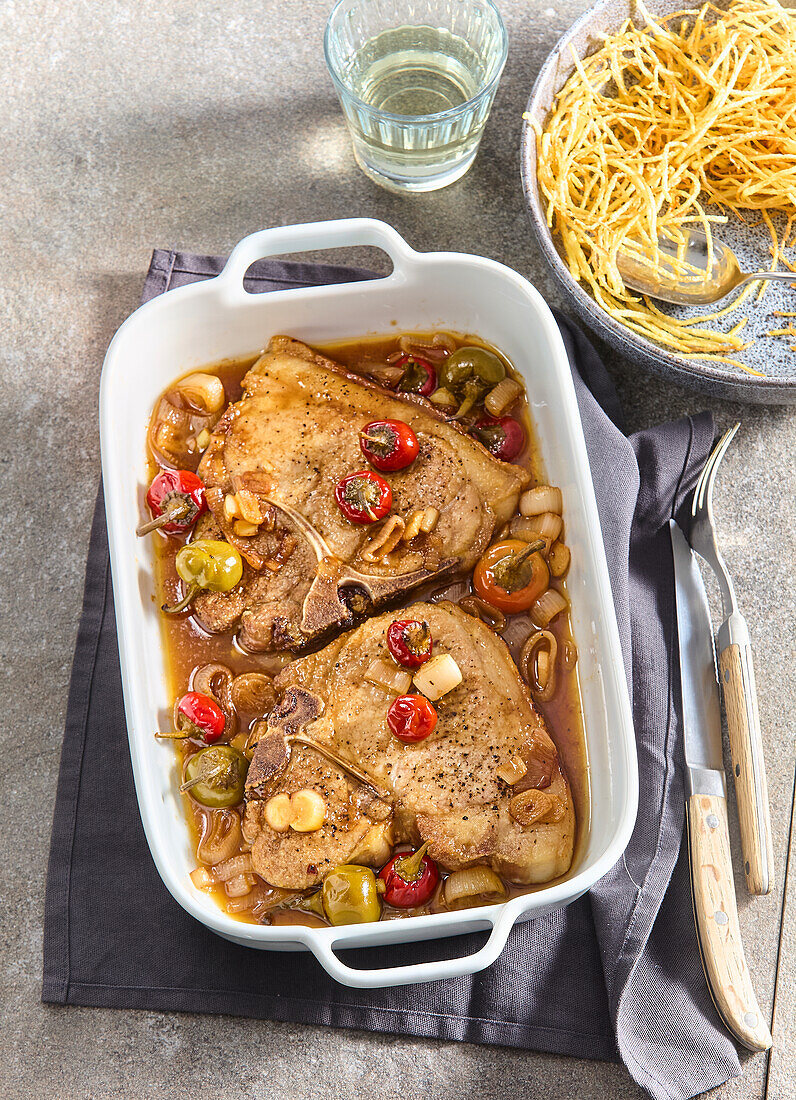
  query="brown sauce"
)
[{"x": 188, "y": 647}]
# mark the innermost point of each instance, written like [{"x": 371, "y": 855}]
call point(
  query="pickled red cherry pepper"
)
[
  {"x": 176, "y": 499},
  {"x": 389, "y": 445},
  {"x": 503, "y": 436},
  {"x": 419, "y": 375},
  {"x": 409, "y": 878},
  {"x": 198, "y": 716},
  {"x": 411, "y": 718},
  {"x": 363, "y": 497},
  {"x": 409, "y": 642}
]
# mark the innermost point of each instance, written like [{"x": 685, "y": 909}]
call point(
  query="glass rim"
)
[{"x": 436, "y": 115}]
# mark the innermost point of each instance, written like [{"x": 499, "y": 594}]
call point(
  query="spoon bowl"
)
[{"x": 687, "y": 274}]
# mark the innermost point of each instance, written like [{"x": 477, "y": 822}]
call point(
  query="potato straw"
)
[{"x": 666, "y": 120}]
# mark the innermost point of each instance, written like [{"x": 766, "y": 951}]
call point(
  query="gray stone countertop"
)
[{"x": 130, "y": 124}]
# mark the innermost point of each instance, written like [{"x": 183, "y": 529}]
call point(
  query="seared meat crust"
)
[
  {"x": 289, "y": 440},
  {"x": 445, "y": 789}
]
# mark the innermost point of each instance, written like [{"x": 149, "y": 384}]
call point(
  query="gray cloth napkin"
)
[{"x": 616, "y": 973}]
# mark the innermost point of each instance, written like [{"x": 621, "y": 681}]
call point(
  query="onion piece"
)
[
  {"x": 260, "y": 899},
  {"x": 205, "y": 677},
  {"x": 549, "y": 604},
  {"x": 203, "y": 391},
  {"x": 253, "y": 692},
  {"x": 220, "y": 838},
  {"x": 502, "y": 396},
  {"x": 442, "y": 345},
  {"x": 527, "y": 529},
  {"x": 473, "y": 886},
  {"x": 438, "y": 676},
  {"x": 480, "y": 609},
  {"x": 215, "y": 680},
  {"x": 240, "y": 742},
  {"x": 548, "y": 525},
  {"x": 385, "y": 675},
  {"x": 231, "y": 868},
  {"x": 258, "y": 895},
  {"x": 385, "y": 540},
  {"x": 258, "y": 731},
  {"x": 538, "y": 664},
  {"x": 202, "y": 879},
  {"x": 295, "y": 917},
  {"x": 558, "y": 559},
  {"x": 239, "y": 885},
  {"x": 544, "y": 498}
]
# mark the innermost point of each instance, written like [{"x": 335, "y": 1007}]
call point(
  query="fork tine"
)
[
  {"x": 697, "y": 500},
  {"x": 704, "y": 473},
  {"x": 703, "y": 491},
  {"x": 720, "y": 452}
]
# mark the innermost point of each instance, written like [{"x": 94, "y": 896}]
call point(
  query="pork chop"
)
[
  {"x": 288, "y": 441},
  {"x": 445, "y": 789}
]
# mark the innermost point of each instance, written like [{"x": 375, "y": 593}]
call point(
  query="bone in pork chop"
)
[
  {"x": 445, "y": 789},
  {"x": 287, "y": 442}
]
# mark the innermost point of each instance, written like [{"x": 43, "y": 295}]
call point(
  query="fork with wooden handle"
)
[{"x": 738, "y": 686}]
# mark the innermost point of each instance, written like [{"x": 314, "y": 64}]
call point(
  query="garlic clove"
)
[
  {"x": 278, "y": 812},
  {"x": 308, "y": 811}
]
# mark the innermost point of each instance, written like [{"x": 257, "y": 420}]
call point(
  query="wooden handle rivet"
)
[
  {"x": 750, "y": 1019},
  {"x": 737, "y": 769},
  {"x": 712, "y": 821},
  {"x": 726, "y": 676},
  {"x": 720, "y": 917},
  {"x": 746, "y": 867}
]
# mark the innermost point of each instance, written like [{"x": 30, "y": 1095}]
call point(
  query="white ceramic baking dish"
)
[{"x": 208, "y": 321}]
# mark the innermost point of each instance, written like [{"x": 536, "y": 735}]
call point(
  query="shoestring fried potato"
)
[{"x": 674, "y": 124}]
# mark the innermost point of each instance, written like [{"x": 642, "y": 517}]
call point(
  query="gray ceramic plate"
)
[{"x": 751, "y": 245}]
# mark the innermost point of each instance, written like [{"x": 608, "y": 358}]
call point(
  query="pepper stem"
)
[
  {"x": 531, "y": 548},
  {"x": 313, "y": 904},
  {"x": 409, "y": 866},
  {"x": 174, "y": 736},
  {"x": 176, "y": 608},
  {"x": 205, "y": 777},
  {"x": 179, "y": 510},
  {"x": 507, "y": 571}
]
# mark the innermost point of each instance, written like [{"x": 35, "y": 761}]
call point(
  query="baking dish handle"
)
[
  {"x": 345, "y": 233},
  {"x": 323, "y": 949}
]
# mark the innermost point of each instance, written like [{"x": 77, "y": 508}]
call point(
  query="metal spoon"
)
[{"x": 653, "y": 276}]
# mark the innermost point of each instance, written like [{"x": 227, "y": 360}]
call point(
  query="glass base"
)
[{"x": 418, "y": 184}]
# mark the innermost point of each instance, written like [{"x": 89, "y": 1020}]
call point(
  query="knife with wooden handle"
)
[
  {"x": 746, "y": 745},
  {"x": 738, "y": 682},
  {"x": 712, "y": 881}
]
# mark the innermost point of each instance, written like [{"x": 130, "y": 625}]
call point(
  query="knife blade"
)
[{"x": 712, "y": 884}]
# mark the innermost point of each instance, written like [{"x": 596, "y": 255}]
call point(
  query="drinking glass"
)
[{"x": 416, "y": 80}]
